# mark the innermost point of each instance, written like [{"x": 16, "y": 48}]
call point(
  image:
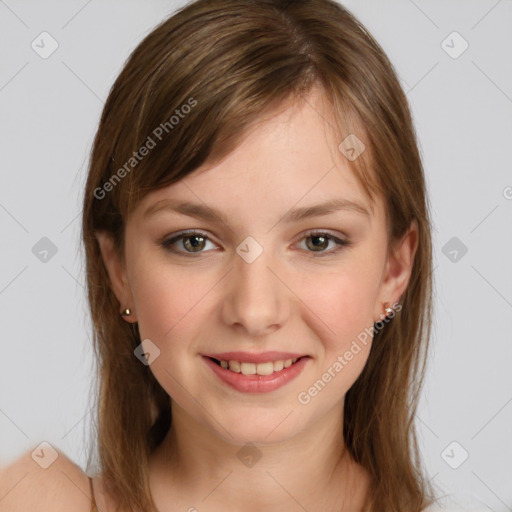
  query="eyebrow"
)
[{"x": 207, "y": 213}]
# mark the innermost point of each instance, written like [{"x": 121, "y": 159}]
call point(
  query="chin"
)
[{"x": 258, "y": 426}]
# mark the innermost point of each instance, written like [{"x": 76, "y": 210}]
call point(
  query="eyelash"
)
[{"x": 168, "y": 244}]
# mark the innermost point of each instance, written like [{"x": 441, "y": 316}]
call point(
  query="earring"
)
[
  {"x": 387, "y": 309},
  {"x": 126, "y": 312}
]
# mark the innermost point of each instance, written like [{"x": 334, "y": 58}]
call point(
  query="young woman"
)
[{"x": 258, "y": 254}]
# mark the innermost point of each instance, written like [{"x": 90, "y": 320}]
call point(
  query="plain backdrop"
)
[{"x": 454, "y": 59}]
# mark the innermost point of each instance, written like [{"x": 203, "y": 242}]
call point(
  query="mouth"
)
[
  {"x": 265, "y": 373},
  {"x": 252, "y": 368}
]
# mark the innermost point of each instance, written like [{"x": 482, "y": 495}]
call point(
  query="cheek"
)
[
  {"x": 167, "y": 301},
  {"x": 338, "y": 307},
  {"x": 170, "y": 306},
  {"x": 343, "y": 302}
]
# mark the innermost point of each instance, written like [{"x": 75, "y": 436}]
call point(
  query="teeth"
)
[
  {"x": 257, "y": 368},
  {"x": 265, "y": 368},
  {"x": 278, "y": 365},
  {"x": 233, "y": 366},
  {"x": 248, "y": 368}
]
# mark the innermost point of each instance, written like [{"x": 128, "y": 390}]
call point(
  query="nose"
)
[{"x": 255, "y": 297}]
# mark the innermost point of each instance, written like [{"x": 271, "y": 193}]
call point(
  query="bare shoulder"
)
[{"x": 45, "y": 480}]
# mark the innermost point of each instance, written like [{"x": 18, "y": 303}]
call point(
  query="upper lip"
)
[{"x": 251, "y": 357}]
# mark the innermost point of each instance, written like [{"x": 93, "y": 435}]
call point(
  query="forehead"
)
[{"x": 289, "y": 157}]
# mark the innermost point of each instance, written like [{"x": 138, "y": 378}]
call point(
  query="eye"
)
[
  {"x": 318, "y": 242},
  {"x": 195, "y": 242},
  {"x": 191, "y": 242}
]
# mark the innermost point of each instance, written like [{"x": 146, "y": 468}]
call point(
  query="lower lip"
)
[{"x": 257, "y": 383}]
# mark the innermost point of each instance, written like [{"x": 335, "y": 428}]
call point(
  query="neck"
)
[{"x": 311, "y": 471}]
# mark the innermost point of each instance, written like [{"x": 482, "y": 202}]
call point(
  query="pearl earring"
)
[{"x": 126, "y": 312}]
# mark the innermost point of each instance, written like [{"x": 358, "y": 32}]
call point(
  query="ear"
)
[
  {"x": 398, "y": 270},
  {"x": 117, "y": 273}
]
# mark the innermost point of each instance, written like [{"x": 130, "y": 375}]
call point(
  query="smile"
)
[
  {"x": 252, "y": 377},
  {"x": 266, "y": 368}
]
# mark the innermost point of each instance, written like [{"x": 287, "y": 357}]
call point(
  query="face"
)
[{"x": 265, "y": 280}]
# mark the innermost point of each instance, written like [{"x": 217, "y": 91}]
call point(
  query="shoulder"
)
[{"x": 26, "y": 484}]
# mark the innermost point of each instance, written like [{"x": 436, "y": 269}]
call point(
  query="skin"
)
[{"x": 290, "y": 298}]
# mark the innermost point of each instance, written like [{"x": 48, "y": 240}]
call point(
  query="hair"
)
[{"x": 205, "y": 76}]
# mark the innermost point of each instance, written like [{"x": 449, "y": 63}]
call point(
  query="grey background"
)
[{"x": 462, "y": 107}]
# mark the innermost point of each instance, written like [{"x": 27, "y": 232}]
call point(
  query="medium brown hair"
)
[{"x": 232, "y": 61}]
